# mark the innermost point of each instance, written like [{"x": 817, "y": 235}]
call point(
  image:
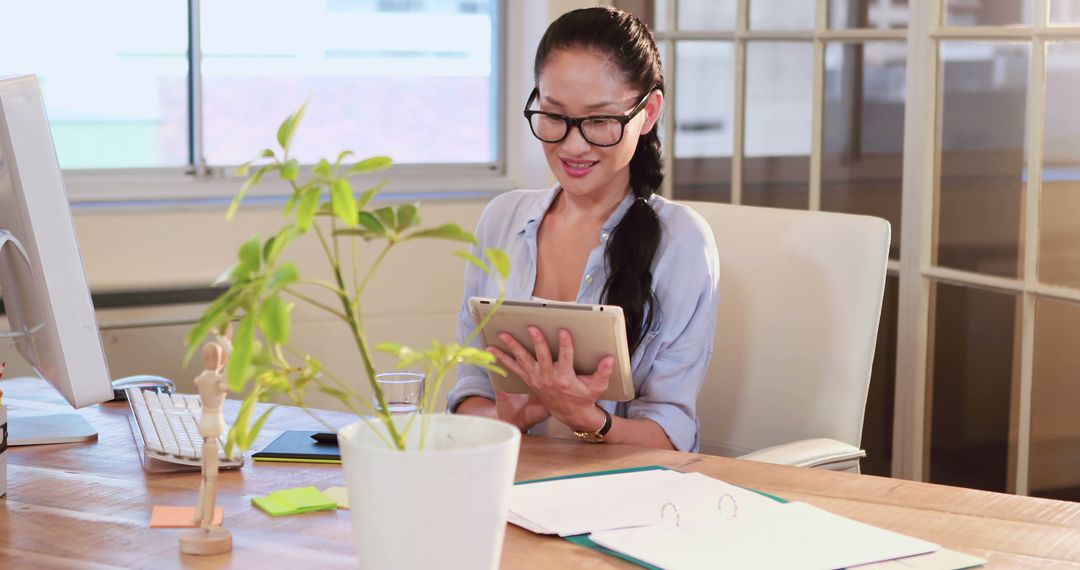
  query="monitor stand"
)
[{"x": 39, "y": 430}]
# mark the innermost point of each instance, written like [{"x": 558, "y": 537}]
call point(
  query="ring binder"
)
[{"x": 719, "y": 508}]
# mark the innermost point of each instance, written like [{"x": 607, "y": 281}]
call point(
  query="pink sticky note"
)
[{"x": 179, "y": 517}]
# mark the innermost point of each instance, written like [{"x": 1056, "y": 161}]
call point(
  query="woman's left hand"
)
[{"x": 569, "y": 396}]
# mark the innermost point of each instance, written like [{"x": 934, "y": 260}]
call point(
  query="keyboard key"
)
[{"x": 169, "y": 427}]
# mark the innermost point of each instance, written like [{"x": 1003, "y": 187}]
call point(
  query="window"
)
[
  {"x": 773, "y": 105},
  {"x": 962, "y": 112},
  {"x": 380, "y": 77},
  {"x": 116, "y": 93}
]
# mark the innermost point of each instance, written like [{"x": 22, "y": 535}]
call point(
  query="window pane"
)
[
  {"x": 707, "y": 14},
  {"x": 1054, "y": 468},
  {"x": 382, "y": 78},
  {"x": 982, "y": 156},
  {"x": 776, "y": 170},
  {"x": 1059, "y": 239},
  {"x": 1065, "y": 12},
  {"x": 880, "y": 399},
  {"x": 987, "y": 12},
  {"x": 782, "y": 15},
  {"x": 116, "y": 93},
  {"x": 862, "y": 163},
  {"x": 971, "y": 386},
  {"x": 659, "y": 16},
  {"x": 704, "y": 118},
  {"x": 882, "y": 14}
]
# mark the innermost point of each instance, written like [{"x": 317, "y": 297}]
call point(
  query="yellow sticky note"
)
[
  {"x": 179, "y": 517},
  {"x": 339, "y": 495}
]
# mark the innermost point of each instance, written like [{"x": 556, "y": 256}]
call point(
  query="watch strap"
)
[{"x": 598, "y": 435}]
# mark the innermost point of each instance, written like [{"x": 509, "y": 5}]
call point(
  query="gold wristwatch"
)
[{"x": 598, "y": 435}]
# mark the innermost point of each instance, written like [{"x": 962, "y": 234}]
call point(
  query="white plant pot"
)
[{"x": 444, "y": 507}]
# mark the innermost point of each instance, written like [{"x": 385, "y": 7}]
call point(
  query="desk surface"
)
[{"x": 72, "y": 504}]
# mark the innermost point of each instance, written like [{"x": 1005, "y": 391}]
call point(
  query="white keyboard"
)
[{"x": 166, "y": 429}]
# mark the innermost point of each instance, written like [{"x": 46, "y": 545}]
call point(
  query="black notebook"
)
[{"x": 298, "y": 447}]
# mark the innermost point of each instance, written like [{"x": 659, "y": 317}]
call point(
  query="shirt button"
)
[
  {"x": 604, "y": 236},
  {"x": 588, "y": 278}
]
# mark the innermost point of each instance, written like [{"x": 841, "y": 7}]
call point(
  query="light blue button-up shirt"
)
[{"x": 671, "y": 360}]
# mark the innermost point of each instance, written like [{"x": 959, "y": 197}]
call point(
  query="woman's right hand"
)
[{"x": 522, "y": 410}]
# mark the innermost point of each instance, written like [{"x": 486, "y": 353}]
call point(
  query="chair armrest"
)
[{"x": 823, "y": 453}]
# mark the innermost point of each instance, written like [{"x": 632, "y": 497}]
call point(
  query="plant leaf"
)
[
  {"x": 499, "y": 261},
  {"x": 248, "y": 184},
  {"x": 309, "y": 204},
  {"x": 243, "y": 346},
  {"x": 451, "y": 232},
  {"x": 238, "y": 432},
  {"x": 275, "y": 320},
  {"x": 243, "y": 169},
  {"x": 473, "y": 260},
  {"x": 253, "y": 432},
  {"x": 388, "y": 218},
  {"x": 370, "y": 193},
  {"x": 284, "y": 275},
  {"x": 291, "y": 169},
  {"x": 217, "y": 311},
  {"x": 288, "y": 127},
  {"x": 322, "y": 168},
  {"x": 389, "y": 347},
  {"x": 250, "y": 259},
  {"x": 342, "y": 156},
  {"x": 369, "y": 221},
  {"x": 372, "y": 164},
  {"x": 407, "y": 217},
  {"x": 274, "y": 246},
  {"x": 343, "y": 203}
]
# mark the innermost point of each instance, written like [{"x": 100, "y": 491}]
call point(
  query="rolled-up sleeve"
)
[{"x": 688, "y": 297}]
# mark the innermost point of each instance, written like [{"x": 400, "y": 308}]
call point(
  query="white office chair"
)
[{"x": 800, "y": 297}]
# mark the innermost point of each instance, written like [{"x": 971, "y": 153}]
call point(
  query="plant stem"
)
[
  {"x": 355, "y": 269},
  {"x": 344, "y": 386},
  {"x": 355, "y": 322},
  {"x": 322, "y": 240},
  {"x": 319, "y": 282},
  {"x": 371, "y": 271},
  {"x": 322, "y": 306}
]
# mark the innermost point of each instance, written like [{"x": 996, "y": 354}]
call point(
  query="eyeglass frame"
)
[{"x": 572, "y": 122}]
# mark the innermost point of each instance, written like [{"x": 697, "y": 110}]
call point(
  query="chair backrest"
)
[{"x": 800, "y": 298}]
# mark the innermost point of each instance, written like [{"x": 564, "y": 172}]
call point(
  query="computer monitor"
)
[{"x": 42, "y": 281}]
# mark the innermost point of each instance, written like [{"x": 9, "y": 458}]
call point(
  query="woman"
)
[{"x": 601, "y": 235}]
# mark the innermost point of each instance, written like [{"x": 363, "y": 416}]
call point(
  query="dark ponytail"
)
[{"x": 632, "y": 246}]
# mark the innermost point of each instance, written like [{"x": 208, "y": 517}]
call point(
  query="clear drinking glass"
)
[{"x": 403, "y": 392}]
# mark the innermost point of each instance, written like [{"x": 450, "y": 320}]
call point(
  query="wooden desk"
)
[{"x": 81, "y": 505}]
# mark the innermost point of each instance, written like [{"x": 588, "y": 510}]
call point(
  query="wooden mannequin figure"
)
[{"x": 210, "y": 538}]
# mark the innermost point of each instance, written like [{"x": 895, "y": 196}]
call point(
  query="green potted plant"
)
[{"x": 443, "y": 485}]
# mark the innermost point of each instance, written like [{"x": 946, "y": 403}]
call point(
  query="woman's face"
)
[{"x": 581, "y": 83}]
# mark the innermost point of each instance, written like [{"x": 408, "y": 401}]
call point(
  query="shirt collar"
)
[{"x": 540, "y": 207}]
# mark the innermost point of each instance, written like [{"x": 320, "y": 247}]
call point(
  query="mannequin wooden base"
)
[{"x": 206, "y": 542}]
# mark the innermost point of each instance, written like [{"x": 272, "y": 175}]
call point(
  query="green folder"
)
[
  {"x": 294, "y": 501},
  {"x": 584, "y": 540}
]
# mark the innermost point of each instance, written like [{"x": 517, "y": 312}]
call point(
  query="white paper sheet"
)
[
  {"x": 588, "y": 504},
  {"x": 795, "y": 535}
]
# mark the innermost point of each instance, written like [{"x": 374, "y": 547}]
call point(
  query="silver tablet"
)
[{"x": 597, "y": 330}]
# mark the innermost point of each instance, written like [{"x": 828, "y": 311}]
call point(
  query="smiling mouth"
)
[{"x": 579, "y": 164}]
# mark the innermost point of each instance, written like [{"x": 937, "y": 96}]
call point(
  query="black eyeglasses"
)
[{"x": 598, "y": 130}]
